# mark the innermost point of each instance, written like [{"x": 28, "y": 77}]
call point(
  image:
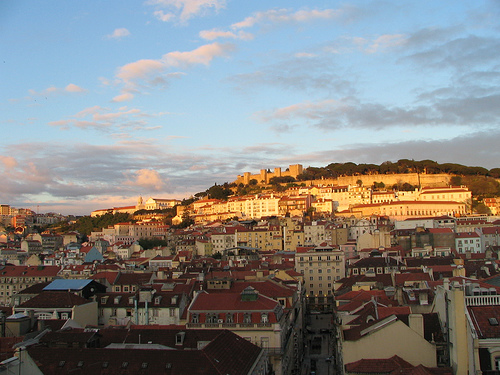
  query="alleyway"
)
[{"x": 318, "y": 341}]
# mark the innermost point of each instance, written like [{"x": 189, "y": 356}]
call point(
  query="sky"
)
[{"x": 105, "y": 101}]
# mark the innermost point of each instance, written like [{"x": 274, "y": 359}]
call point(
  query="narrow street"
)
[{"x": 318, "y": 345}]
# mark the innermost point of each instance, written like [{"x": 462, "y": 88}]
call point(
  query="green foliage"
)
[
  {"x": 482, "y": 186},
  {"x": 281, "y": 180},
  {"x": 456, "y": 181},
  {"x": 221, "y": 192},
  {"x": 480, "y": 208},
  {"x": 168, "y": 211},
  {"x": 87, "y": 224},
  {"x": 495, "y": 172},
  {"x": 403, "y": 166},
  {"x": 149, "y": 243},
  {"x": 378, "y": 185}
]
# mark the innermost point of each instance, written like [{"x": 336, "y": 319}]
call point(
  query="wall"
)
[{"x": 393, "y": 339}]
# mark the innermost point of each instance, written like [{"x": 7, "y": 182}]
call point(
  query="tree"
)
[
  {"x": 219, "y": 192},
  {"x": 281, "y": 180},
  {"x": 149, "y": 243},
  {"x": 456, "y": 181}
]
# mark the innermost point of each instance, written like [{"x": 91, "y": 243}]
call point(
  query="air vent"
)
[{"x": 493, "y": 321}]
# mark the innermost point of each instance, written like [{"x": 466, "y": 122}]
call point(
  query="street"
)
[{"x": 318, "y": 345}]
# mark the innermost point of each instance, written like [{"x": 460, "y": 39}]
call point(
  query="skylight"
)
[{"x": 493, "y": 321}]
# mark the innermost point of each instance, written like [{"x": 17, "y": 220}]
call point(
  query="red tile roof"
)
[
  {"x": 29, "y": 271},
  {"x": 378, "y": 366},
  {"x": 231, "y": 302},
  {"x": 54, "y": 300}
]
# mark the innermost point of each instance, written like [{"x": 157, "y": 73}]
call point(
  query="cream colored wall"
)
[
  {"x": 396, "y": 338},
  {"x": 86, "y": 314}
]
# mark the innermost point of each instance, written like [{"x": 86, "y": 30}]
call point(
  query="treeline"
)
[
  {"x": 87, "y": 224},
  {"x": 335, "y": 170}
]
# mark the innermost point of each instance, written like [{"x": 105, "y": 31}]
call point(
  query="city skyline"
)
[{"x": 105, "y": 102}]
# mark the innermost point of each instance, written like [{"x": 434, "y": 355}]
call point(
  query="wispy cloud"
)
[
  {"x": 184, "y": 10},
  {"x": 118, "y": 33},
  {"x": 104, "y": 119},
  {"x": 153, "y": 72},
  {"x": 216, "y": 34},
  {"x": 286, "y": 16},
  {"x": 331, "y": 115},
  {"x": 52, "y": 90}
]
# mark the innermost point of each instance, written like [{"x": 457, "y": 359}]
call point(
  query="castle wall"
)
[{"x": 416, "y": 179}]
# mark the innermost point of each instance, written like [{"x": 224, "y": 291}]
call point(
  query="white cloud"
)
[
  {"x": 119, "y": 33},
  {"x": 305, "y": 55},
  {"x": 386, "y": 41},
  {"x": 53, "y": 90},
  {"x": 285, "y": 15},
  {"x": 123, "y": 97},
  {"x": 9, "y": 162},
  {"x": 215, "y": 34},
  {"x": 147, "y": 178},
  {"x": 162, "y": 16},
  {"x": 152, "y": 71},
  {"x": 73, "y": 88},
  {"x": 185, "y": 9},
  {"x": 140, "y": 69},
  {"x": 202, "y": 55},
  {"x": 101, "y": 118}
]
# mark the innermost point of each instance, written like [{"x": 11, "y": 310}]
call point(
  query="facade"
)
[
  {"x": 321, "y": 267},
  {"x": 16, "y": 278},
  {"x": 469, "y": 308},
  {"x": 253, "y": 316},
  {"x": 60, "y": 305},
  {"x": 147, "y": 306},
  {"x": 468, "y": 243}
]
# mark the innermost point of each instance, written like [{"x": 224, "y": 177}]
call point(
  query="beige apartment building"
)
[
  {"x": 321, "y": 267},
  {"x": 402, "y": 210},
  {"x": 16, "y": 278}
]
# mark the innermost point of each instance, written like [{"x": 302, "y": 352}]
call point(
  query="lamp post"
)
[{"x": 328, "y": 361}]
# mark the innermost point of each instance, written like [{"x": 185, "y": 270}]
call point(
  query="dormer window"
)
[
  {"x": 117, "y": 300},
  {"x": 130, "y": 300},
  {"x": 247, "y": 318},
  {"x": 264, "y": 318},
  {"x": 179, "y": 338},
  {"x": 195, "y": 318},
  {"x": 157, "y": 300}
]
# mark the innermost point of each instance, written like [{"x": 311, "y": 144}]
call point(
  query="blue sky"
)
[{"x": 105, "y": 101}]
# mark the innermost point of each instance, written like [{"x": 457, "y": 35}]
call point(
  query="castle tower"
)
[{"x": 140, "y": 204}]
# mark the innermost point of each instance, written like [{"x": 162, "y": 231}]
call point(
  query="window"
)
[
  {"x": 247, "y": 318},
  {"x": 264, "y": 318},
  {"x": 195, "y": 318}
]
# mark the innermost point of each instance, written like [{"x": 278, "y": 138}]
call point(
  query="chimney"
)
[{"x": 416, "y": 323}]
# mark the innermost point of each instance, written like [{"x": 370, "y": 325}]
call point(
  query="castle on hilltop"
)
[{"x": 265, "y": 175}]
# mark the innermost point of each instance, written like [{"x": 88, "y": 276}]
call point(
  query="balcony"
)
[
  {"x": 231, "y": 326},
  {"x": 487, "y": 300}
]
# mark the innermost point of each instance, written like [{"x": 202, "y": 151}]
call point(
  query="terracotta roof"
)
[
  {"x": 133, "y": 278},
  {"x": 29, "y": 271},
  {"x": 378, "y": 365},
  {"x": 481, "y": 316},
  {"x": 230, "y": 302},
  {"x": 54, "y": 299}
]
